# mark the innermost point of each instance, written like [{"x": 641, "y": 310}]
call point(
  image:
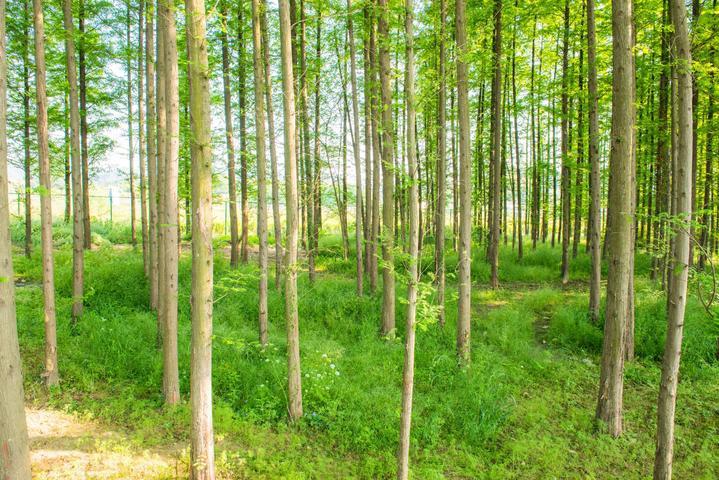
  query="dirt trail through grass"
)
[{"x": 64, "y": 446}]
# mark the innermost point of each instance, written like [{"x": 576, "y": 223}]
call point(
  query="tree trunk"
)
[
  {"x": 26, "y": 128},
  {"x": 518, "y": 198},
  {"x": 680, "y": 252},
  {"x": 315, "y": 178},
  {"x": 376, "y": 147},
  {"x": 202, "y": 445},
  {"x": 15, "y": 456},
  {"x": 273, "y": 150},
  {"x": 242, "y": 92},
  {"x": 619, "y": 230},
  {"x": 356, "y": 151},
  {"x": 388, "y": 287},
  {"x": 496, "y": 142},
  {"x": 171, "y": 383},
  {"x": 579, "y": 174},
  {"x": 259, "y": 76},
  {"x": 439, "y": 218},
  {"x": 294, "y": 377},
  {"x": 408, "y": 372},
  {"x": 142, "y": 140},
  {"x": 595, "y": 180},
  {"x": 77, "y": 189},
  {"x": 85, "y": 154},
  {"x": 130, "y": 142},
  {"x": 152, "y": 144},
  {"x": 566, "y": 174},
  {"x": 465, "y": 193}
]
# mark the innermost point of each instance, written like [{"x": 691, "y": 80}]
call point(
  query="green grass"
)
[{"x": 523, "y": 410}]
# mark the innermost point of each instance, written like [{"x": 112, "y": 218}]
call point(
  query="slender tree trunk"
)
[
  {"x": 595, "y": 184},
  {"x": 566, "y": 173},
  {"x": 388, "y": 287},
  {"x": 376, "y": 148},
  {"x": 439, "y": 218},
  {"x": 15, "y": 456},
  {"x": 66, "y": 157},
  {"x": 682, "y": 198},
  {"x": 315, "y": 179},
  {"x": 259, "y": 76},
  {"x": 84, "y": 152},
  {"x": 707, "y": 217},
  {"x": 202, "y": 445},
  {"x": 130, "y": 141},
  {"x": 518, "y": 198},
  {"x": 305, "y": 159},
  {"x": 242, "y": 92},
  {"x": 273, "y": 150},
  {"x": 48, "y": 268},
  {"x": 294, "y": 390},
  {"x": 77, "y": 189},
  {"x": 465, "y": 193},
  {"x": 171, "y": 386},
  {"x": 142, "y": 140},
  {"x": 579, "y": 174},
  {"x": 356, "y": 151},
  {"x": 152, "y": 144},
  {"x": 619, "y": 231},
  {"x": 26, "y": 127},
  {"x": 229, "y": 139},
  {"x": 408, "y": 372},
  {"x": 496, "y": 142}
]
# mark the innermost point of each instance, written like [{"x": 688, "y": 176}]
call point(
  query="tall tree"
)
[
  {"x": 356, "y": 150},
  {"x": 566, "y": 174},
  {"x": 15, "y": 457},
  {"x": 294, "y": 377},
  {"x": 388, "y": 287},
  {"x": 229, "y": 138},
  {"x": 84, "y": 152},
  {"x": 142, "y": 140},
  {"x": 408, "y": 372},
  {"x": 595, "y": 184},
  {"x": 496, "y": 142},
  {"x": 130, "y": 139},
  {"x": 26, "y": 127},
  {"x": 78, "y": 231},
  {"x": 682, "y": 200},
  {"x": 620, "y": 218},
  {"x": 259, "y": 75},
  {"x": 152, "y": 150},
  {"x": 202, "y": 444},
  {"x": 242, "y": 92},
  {"x": 48, "y": 263},
  {"x": 169, "y": 284},
  {"x": 465, "y": 193},
  {"x": 439, "y": 217}
]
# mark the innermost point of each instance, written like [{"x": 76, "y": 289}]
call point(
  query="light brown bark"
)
[
  {"x": 496, "y": 144},
  {"x": 294, "y": 378},
  {"x": 14, "y": 452},
  {"x": 356, "y": 151},
  {"x": 152, "y": 144},
  {"x": 566, "y": 175},
  {"x": 594, "y": 178},
  {"x": 439, "y": 214},
  {"x": 202, "y": 444}
]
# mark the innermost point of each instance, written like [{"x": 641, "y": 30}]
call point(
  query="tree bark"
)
[
  {"x": 566, "y": 173},
  {"x": 408, "y": 371},
  {"x": 14, "y": 451},
  {"x": 152, "y": 150},
  {"x": 595, "y": 180},
  {"x": 439, "y": 218},
  {"x": 142, "y": 140},
  {"x": 356, "y": 151},
  {"x": 229, "y": 139},
  {"x": 387, "y": 237},
  {"x": 84, "y": 152},
  {"x": 242, "y": 92},
  {"x": 130, "y": 141},
  {"x": 294, "y": 377},
  {"x": 202, "y": 445},
  {"x": 518, "y": 198},
  {"x": 259, "y": 76},
  {"x": 682, "y": 199},
  {"x": 496, "y": 142},
  {"x": 26, "y": 128},
  {"x": 465, "y": 193},
  {"x": 620, "y": 217},
  {"x": 77, "y": 187}
]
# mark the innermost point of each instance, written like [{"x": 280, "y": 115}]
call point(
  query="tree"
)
[
  {"x": 48, "y": 264},
  {"x": 439, "y": 216},
  {"x": 130, "y": 142},
  {"x": 229, "y": 138},
  {"x": 142, "y": 140},
  {"x": 242, "y": 92},
  {"x": 356, "y": 150},
  {"x": 294, "y": 378},
  {"x": 169, "y": 251},
  {"x": 620, "y": 218},
  {"x": 15, "y": 457},
  {"x": 259, "y": 76},
  {"x": 388, "y": 287},
  {"x": 566, "y": 174},
  {"x": 78, "y": 231},
  {"x": 202, "y": 449},
  {"x": 595, "y": 184},
  {"x": 465, "y": 193},
  {"x": 496, "y": 142},
  {"x": 408, "y": 372},
  {"x": 152, "y": 150},
  {"x": 676, "y": 303}
]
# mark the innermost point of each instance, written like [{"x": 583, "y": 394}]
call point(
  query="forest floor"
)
[
  {"x": 65, "y": 446},
  {"x": 523, "y": 410}
]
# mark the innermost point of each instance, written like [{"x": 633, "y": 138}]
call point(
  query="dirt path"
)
[{"x": 64, "y": 446}]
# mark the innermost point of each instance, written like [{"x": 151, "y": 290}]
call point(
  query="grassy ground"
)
[{"x": 523, "y": 410}]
